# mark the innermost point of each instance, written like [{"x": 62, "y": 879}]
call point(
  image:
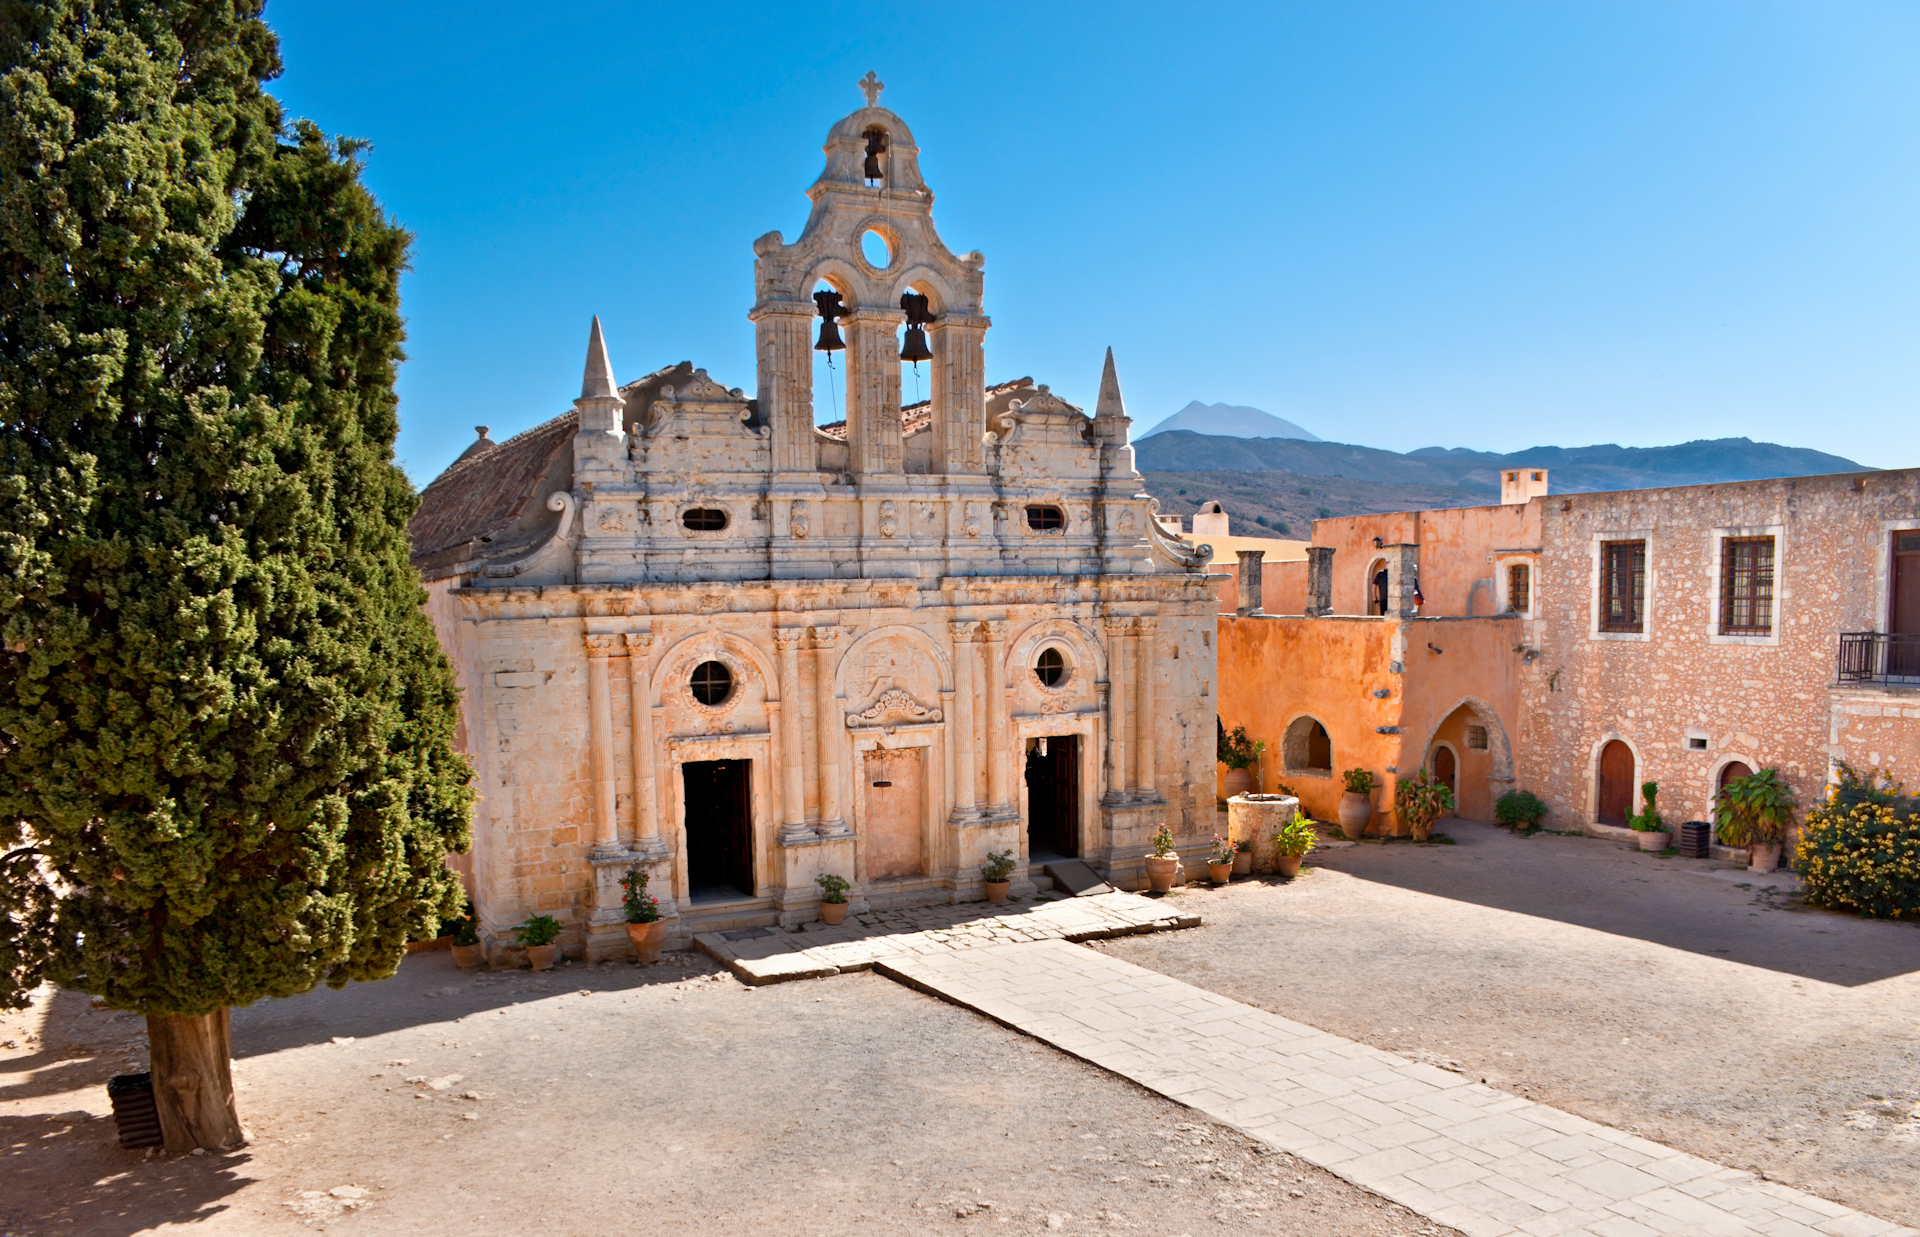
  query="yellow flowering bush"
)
[{"x": 1860, "y": 850}]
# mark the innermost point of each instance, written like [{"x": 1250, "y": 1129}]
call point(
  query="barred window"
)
[
  {"x": 1519, "y": 587},
  {"x": 1746, "y": 586},
  {"x": 1623, "y": 585},
  {"x": 1477, "y": 738}
]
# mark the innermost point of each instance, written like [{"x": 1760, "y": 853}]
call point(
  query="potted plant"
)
[
  {"x": 1521, "y": 810},
  {"x": 538, "y": 934},
  {"x": 1356, "y": 802},
  {"x": 1646, "y": 823},
  {"x": 1293, "y": 842},
  {"x": 997, "y": 872},
  {"x": 833, "y": 897},
  {"x": 467, "y": 950},
  {"x": 645, "y": 928},
  {"x": 1220, "y": 862},
  {"x": 1419, "y": 801},
  {"x": 1163, "y": 865},
  {"x": 1755, "y": 811},
  {"x": 1238, "y": 753},
  {"x": 1242, "y": 857}
]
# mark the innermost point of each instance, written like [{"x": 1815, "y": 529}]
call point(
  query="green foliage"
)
[
  {"x": 1647, "y": 819},
  {"x": 1223, "y": 850},
  {"x": 466, "y": 929},
  {"x": 537, "y": 930},
  {"x": 1261, "y": 520},
  {"x": 1420, "y": 800},
  {"x": 1359, "y": 781},
  {"x": 226, "y": 761},
  {"x": 1236, "y": 750},
  {"x": 1860, "y": 850},
  {"x": 1520, "y": 809},
  {"x": 1755, "y": 810},
  {"x": 1296, "y": 837},
  {"x": 999, "y": 866},
  {"x": 633, "y": 895},
  {"x": 1283, "y": 528},
  {"x": 832, "y": 888},
  {"x": 1162, "y": 842}
]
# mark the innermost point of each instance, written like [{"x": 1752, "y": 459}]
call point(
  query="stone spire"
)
[
  {"x": 1110, "y": 420},
  {"x": 597, "y": 382}
]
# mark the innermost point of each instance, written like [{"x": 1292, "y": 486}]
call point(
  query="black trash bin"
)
[
  {"x": 1696, "y": 840},
  {"x": 133, "y": 1109}
]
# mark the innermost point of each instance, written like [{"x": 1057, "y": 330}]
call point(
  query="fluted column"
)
[
  {"x": 781, "y": 337},
  {"x": 1119, "y": 654},
  {"x": 873, "y": 391},
  {"x": 996, "y": 647},
  {"x": 646, "y": 804},
  {"x": 832, "y": 724},
  {"x": 789, "y": 732},
  {"x": 600, "y": 740},
  {"x": 1143, "y": 744},
  {"x": 960, "y": 725}
]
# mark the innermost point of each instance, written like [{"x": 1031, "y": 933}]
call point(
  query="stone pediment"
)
[
  {"x": 699, "y": 409},
  {"x": 891, "y": 706}
]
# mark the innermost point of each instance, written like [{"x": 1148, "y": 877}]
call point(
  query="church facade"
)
[{"x": 701, "y": 635}]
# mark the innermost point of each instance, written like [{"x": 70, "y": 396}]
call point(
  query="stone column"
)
[
  {"x": 960, "y": 724},
  {"x": 959, "y": 392},
  {"x": 646, "y": 804},
  {"x": 789, "y": 731},
  {"x": 1119, "y": 652},
  {"x": 873, "y": 391},
  {"x": 606, "y": 825},
  {"x": 997, "y": 754},
  {"x": 1249, "y": 582},
  {"x": 1145, "y": 719},
  {"x": 782, "y": 339},
  {"x": 833, "y": 724},
  {"x": 1319, "y": 581}
]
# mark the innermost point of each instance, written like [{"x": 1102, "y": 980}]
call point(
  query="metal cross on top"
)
[{"x": 872, "y": 86}]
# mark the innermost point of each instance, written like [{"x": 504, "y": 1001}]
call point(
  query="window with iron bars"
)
[
  {"x": 1519, "y": 587},
  {"x": 1623, "y": 586},
  {"x": 1746, "y": 586}
]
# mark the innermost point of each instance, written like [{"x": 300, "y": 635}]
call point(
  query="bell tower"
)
[{"x": 871, "y": 186}]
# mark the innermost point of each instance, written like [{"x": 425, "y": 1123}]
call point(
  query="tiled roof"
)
[
  {"x": 485, "y": 492},
  {"x": 916, "y": 417}
]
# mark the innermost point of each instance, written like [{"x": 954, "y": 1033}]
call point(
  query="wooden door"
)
[
  {"x": 1446, "y": 772},
  {"x": 1736, "y": 769},
  {"x": 1903, "y": 619},
  {"x": 1616, "y": 783},
  {"x": 896, "y": 799}
]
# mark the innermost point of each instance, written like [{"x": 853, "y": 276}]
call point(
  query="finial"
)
[
  {"x": 1109, "y": 404},
  {"x": 480, "y": 430},
  {"x": 872, "y": 86},
  {"x": 597, "y": 382}
]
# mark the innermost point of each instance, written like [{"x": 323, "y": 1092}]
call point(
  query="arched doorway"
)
[
  {"x": 1377, "y": 582},
  {"x": 1733, "y": 769},
  {"x": 1615, "y": 801},
  {"x": 1446, "y": 771}
]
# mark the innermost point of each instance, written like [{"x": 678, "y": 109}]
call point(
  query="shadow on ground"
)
[{"x": 1690, "y": 904}]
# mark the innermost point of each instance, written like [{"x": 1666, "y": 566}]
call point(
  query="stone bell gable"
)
[{"x": 702, "y": 635}]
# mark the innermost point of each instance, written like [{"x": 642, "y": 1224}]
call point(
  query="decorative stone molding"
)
[
  {"x": 892, "y": 706},
  {"x": 605, "y": 646}
]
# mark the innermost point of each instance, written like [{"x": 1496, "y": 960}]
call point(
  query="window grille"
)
[
  {"x": 704, "y": 519},
  {"x": 1048, "y": 519},
  {"x": 1477, "y": 738},
  {"x": 1746, "y": 586},
  {"x": 1623, "y": 585},
  {"x": 712, "y": 683},
  {"x": 1519, "y": 587},
  {"x": 1050, "y": 668}
]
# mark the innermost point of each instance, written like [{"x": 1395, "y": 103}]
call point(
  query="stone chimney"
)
[
  {"x": 1517, "y": 485},
  {"x": 1319, "y": 580},
  {"x": 1250, "y": 561},
  {"x": 1210, "y": 520}
]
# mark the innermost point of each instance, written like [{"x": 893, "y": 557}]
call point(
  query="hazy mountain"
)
[
  {"x": 1230, "y": 420},
  {"x": 1573, "y": 470}
]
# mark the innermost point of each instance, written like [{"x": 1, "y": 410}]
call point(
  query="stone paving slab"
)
[
  {"x": 1485, "y": 1162},
  {"x": 771, "y": 955}
]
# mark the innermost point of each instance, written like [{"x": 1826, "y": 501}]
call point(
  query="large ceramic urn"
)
[{"x": 1356, "y": 812}]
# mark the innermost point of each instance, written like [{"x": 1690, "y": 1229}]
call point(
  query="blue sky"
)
[{"x": 1490, "y": 225}]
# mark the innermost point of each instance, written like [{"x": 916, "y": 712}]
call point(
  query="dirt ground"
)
[
  {"x": 1664, "y": 996},
  {"x": 623, "y": 1099}
]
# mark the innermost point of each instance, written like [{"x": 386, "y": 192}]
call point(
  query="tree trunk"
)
[{"x": 193, "y": 1080}]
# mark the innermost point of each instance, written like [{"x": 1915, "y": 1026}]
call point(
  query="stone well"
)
[{"x": 1255, "y": 819}]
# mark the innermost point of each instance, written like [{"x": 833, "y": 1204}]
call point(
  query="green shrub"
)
[
  {"x": 1236, "y": 750},
  {"x": 1296, "y": 837},
  {"x": 1420, "y": 800},
  {"x": 1520, "y": 809},
  {"x": 1162, "y": 842},
  {"x": 1359, "y": 781},
  {"x": 1755, "y": 809},
  {"x": 1648, "y": 819},
  {"x": 999, "y": 866},
  {"x": 833, "y": 888},
  {"x": 633, "y": 894},
  {"x": 538, "y": 930},
  {"x": 1860, "y": 850}
]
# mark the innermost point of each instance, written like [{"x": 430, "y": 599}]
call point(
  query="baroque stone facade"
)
[{"x": 701, "y": 635}]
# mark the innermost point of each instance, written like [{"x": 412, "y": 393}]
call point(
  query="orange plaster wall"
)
[
  {"x": 1477, "y": 663},
  {"x": 1283, "y": 586},
  {"x": 1455, "y": 545}
]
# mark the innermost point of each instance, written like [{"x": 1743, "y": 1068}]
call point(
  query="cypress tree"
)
[{"x": 226, "y": 729}]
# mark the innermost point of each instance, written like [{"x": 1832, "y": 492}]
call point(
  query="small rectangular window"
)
[
  {"x": 1906, "y": 543},
  {"x": 1623, "y": 585},
  {"x": 1746, "y": 586},
  {"x": 1477, "y": 738},
  {"x": 1047, "y": 519},
  {"x": 1696, "y": 744},
  {"x": 1519, "y": 587}
]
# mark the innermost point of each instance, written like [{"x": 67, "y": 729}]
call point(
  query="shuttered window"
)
[
  {"x": 1519, "y": 588},
  {"x": 1746, "y": 586},
  {"x": 1623, "y": 586}
]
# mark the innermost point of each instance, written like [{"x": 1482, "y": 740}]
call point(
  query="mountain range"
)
[{"x": 1232, "y": 420}]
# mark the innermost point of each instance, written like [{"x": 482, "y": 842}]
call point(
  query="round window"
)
[
  {"x": 1051, "y": 668},
  {"x": 712, "y": 683}
]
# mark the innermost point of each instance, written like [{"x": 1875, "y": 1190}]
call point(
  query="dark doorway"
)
[
  {"x": 1903, "y": 623},
  {"x": 1734, "y": 769},
  {"x": 1445, "y": 772},
  {"x": 719, "y": 832},
  {"x": 1053, "y": 796},
  {"x": 1616, "y": 783}
]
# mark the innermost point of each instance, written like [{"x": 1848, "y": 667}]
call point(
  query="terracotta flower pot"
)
[
  {"x": 647, "y": 938},
  {"x": 540, "y": 957},
  {"x": 1236, "y": 782},
  {"x": 1356, "y": 812},
  {"x": 1161, "y": 871},
  {"x": 833, "y": 912},
  {"x": 1763, "y": 856},
  {"x": 469, "y": 956},
  {"x": 997, "y": 890},
  {"x": 1242, "y": 862},
  {"x": 1654, "y": 840},
  {"x": 1288, "y": 865},
  {"x": 1220, "y": 873}
]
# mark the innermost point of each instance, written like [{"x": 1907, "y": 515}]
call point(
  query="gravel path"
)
[{"x": 1660, "y": 996}]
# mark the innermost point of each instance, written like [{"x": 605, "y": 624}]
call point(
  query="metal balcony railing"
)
[{"x": 1877, "y": 657}]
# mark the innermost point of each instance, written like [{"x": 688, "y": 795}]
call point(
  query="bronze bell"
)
[
  {"x": 876, "y": 146},
  {"x": 915, "y": 347},
  {"x": 831, "y": 310}
]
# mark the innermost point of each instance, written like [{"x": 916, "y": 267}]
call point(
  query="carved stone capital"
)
[
  {"x": 605, "y": 646},
  {"x": 996, "y": 630},
  {"x": 825, "y": 637},
  {"x": 789, "y": 638},
  {"x": 638, "y": 642},
  {"x": 962, "y": 632},
  {"x": 1118, "y": 627}
]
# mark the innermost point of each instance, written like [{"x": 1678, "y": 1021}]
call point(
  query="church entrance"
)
[
  {"x": 896, "y": 792},
  {"x": 719, "y": 829},
  {"x": 1053, "y": 796}
]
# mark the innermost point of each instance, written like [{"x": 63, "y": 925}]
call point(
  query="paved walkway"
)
[
  {"x": 1488, "y": 1163},
  {"x": 773, "y": 955}
]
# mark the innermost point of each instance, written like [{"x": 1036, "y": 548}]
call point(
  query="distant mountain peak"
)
[{"x": 1230, "y": 421}]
